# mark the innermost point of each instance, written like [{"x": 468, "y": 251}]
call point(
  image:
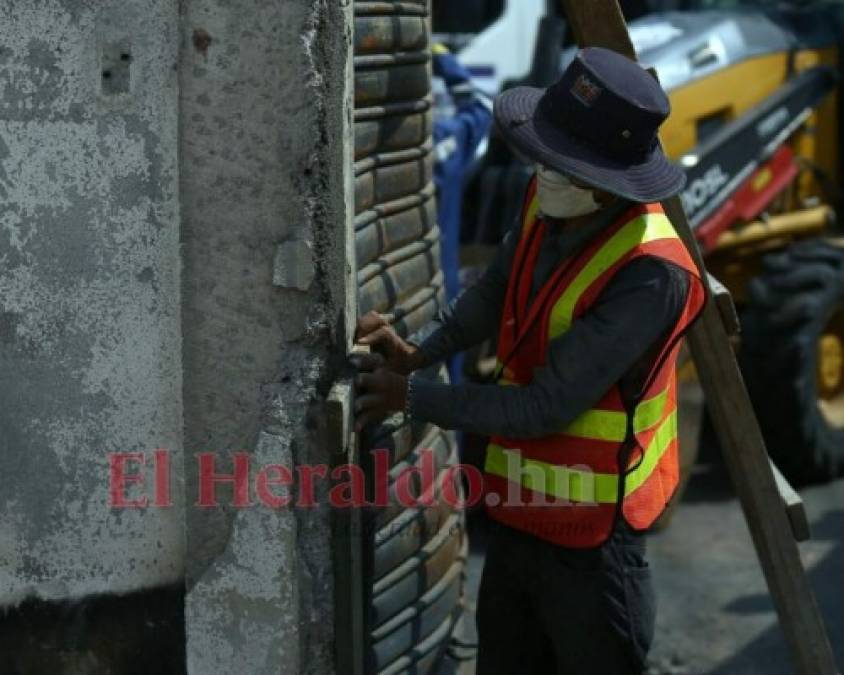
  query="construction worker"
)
[{"x": 589, "y": 295}]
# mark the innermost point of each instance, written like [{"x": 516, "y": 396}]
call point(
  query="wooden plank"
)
[
  {"x": 348, "y": 540},
  {"x": 350, "y": 544},
  {"x": 747, "y": 462},
  {"x": 794, "y": 508},
  {"x": 726, "y": 306},
  {"x": 601, "y": 23}
]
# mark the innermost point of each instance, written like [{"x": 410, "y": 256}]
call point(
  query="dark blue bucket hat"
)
[{"x": 598, "y": 124}]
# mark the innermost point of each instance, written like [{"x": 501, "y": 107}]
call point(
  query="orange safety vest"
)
[{"x": 570, "y": 487}]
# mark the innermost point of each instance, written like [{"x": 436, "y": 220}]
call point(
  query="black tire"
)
[
  {"x": 797, "y": 301},
  {"x": 380, "y": 34},
  {"x": 388, "y": 131},
  {"x": 414, "y": 562},
  {"x": 390, "y": 81}
]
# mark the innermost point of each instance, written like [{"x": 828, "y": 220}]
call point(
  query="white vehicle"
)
[{"x": 497, "y": 44}]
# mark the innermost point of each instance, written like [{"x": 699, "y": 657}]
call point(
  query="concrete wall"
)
[
  {"x": 175, "y": 271},
  {"x": 90, "y": 359},
  {"x": 264, "y": 108}
]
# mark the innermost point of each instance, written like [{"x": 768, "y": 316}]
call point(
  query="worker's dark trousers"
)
[{"x": 551, "y": 610}]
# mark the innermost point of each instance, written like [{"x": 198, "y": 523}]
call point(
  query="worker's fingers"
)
[
  {"x": 373, "y": 416},
  {"x": 369, "y": 409},
  {"x": 367, "y": 362},
  {"x": 367, "y": 402},
  {"x": 373, "y": 335},
  {"x": 369, "y": 322},
  {"x": 367, "y": 381},
  {"x": 379, "y": 339}
]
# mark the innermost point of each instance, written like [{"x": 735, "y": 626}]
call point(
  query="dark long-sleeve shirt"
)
[{"x": 615, "y": 341}]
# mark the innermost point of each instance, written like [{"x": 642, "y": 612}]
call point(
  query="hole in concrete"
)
[
  {"x": 115, "y": 66},
  {"x": 201, "y": 40}
]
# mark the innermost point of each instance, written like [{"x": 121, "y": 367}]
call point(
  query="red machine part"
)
[{"x": 751, "y": 198}]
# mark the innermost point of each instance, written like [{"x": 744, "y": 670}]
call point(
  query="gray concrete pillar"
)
[
  {"x": 265, "y": 185},
  {"x": 176, "y": 272}
]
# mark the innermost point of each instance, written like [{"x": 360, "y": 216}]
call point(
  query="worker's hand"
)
[
  {"x": 399, "y": 355},
  {"x": 380, "y": 391}
]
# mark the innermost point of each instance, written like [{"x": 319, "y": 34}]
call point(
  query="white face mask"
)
[{"x": 558, "y": 198}]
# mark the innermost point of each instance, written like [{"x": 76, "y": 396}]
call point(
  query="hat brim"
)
[{"x": 522, "y": 122}]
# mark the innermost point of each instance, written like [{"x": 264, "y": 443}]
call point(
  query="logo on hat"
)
[{"x": 586, "y": 91}]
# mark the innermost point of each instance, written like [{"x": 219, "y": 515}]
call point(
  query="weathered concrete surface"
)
[
  {"x": 176, "y": 228},
  {"x": 264, "y": 169},
  {"x": 250, "y": 591},
  {"x": 90, "y": 357}
]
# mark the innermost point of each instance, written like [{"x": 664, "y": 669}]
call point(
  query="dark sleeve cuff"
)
[{"x": 428, "y": 401}]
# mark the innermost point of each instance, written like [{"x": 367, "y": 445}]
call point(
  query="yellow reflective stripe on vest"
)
[
  {"x": 663, "y": 437},
  {"x": 530, "y": 215},
  {"x": 641, "y": 230},
  {"x": 611, "y": 425},
  {"x": 576, "y": 484},
  {"x": 503, "y": 379}
]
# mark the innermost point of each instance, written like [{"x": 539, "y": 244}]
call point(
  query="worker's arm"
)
[
  {"x": 475, "y": 314},
  {"x": 471, "y": 318},
  {"x": 633, "y": 316}
]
